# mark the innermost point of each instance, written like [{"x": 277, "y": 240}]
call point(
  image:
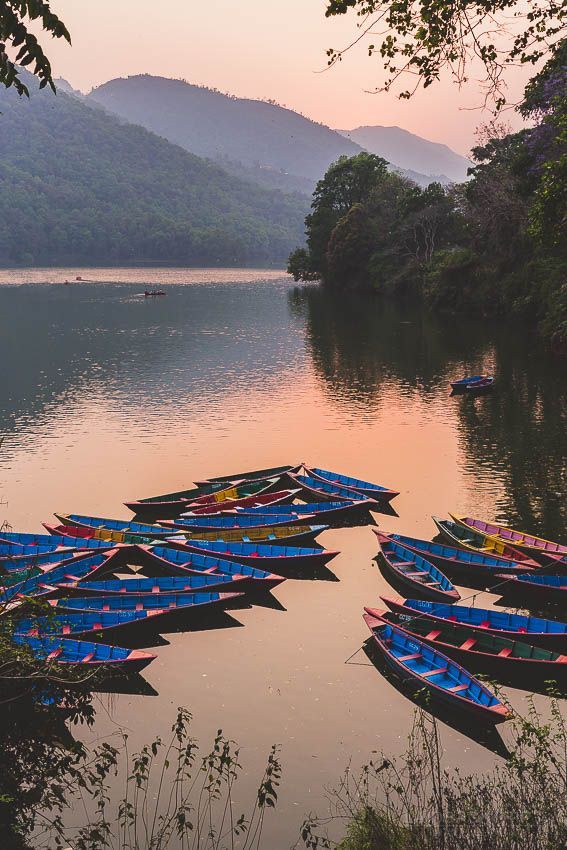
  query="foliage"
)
[
  {"x": 414, "y": 803},
  {"x": 79, "y": 186},
  {"x": 493, "y": 245},
  {"x": 15, "y": 16},
  {"x": 170, "y": 796},
  {"x": 423, "y": 39}
]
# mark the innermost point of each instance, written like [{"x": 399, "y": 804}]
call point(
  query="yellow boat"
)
[{"x": 529, "y": 544}]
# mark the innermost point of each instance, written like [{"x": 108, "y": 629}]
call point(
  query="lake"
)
[{"x": 109, "y": 396}]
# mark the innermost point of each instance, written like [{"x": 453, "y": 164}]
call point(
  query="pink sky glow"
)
[{"x": 260, "y": 49}]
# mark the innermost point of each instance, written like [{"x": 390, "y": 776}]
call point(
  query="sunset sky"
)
[{"x": 259, "y": 50}]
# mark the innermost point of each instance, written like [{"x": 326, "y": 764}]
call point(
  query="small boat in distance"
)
[
  {"x": 480, "y": 386},
  {"x": 317, "y": 490},
  {"x": 546, "y": 588},
  {"x": 462, "y": 384},
  {"x": 151, "y": 293},
  {"x": 414, "y": 571},
  {"x": 549, "y": 634},
  {"x": 426, "y": 667}
]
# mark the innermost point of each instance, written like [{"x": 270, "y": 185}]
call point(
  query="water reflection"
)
[{"x": 371, "y": 354}]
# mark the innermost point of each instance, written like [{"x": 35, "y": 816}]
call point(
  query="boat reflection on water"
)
[{"x": 484, "y": 734}]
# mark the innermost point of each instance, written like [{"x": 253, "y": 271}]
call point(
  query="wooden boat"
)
[
  {"x": 158, "y": 585},
  {"x": 426, "y": 667},
  {"x": 463, "y": 383},
  {"x": 254, "y": 475},
  {"x": 365, "y": 488},
  {"x": 414, "y": 571},
  {"x": 80, "y": 653},
  {"x": 46, "y": 560},
  {"x": 317, "y": 490},
  {"x": 38, "y": 580},
  {"x": 232, "y": 521},
  {"x": 15, "y": 552},
  {"x": 178, "y": 561},
  {"x": 139, "y": 534},
  {"x": 144, "y": 602},
  {"x": 264, "y": 502},
  {"x": 461, "y": 561},
  {"x": 26, "y": 539},
  {"x": 270, "y": 558},
  {"x": 474, "y": 541},
  {"x": 170, "y": 505},
  {"x": 529, "y": 544},
  {"x": 549, "y": 634},
  {"x": 326, "y": 511},
  {"x": 86, "y": 622},
  {"x": 534, "y": 586},
  {"x": 491, "y": 653},
  {"x": 115, "y": 530}
]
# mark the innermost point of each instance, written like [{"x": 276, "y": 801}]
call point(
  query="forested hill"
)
[
  {"x": 216, "y": 125},
  {"x": 79, "y": 186}
]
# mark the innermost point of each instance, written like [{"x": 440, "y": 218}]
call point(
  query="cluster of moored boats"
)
[
  {"x": 434, "y": 642},
  {"x": 226, "y": 540},
  {"x": 184, "y": 554}
]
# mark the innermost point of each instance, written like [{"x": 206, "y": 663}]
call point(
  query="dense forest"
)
[
  {"x": 494, "y": 245},
  {"x": 79, "y": 186}
]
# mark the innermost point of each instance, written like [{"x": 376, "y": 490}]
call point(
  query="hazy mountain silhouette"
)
[
  {"x": 255, "y": 139},
  {"x": 411, "y": 152},
  {"x": 78, "y": 185}
]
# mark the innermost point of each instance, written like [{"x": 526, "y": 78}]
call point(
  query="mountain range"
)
[
  {"x": 78, "y": 185},
  {"x": 152, "y": 170},
  {"x": 263, "y": 141}
]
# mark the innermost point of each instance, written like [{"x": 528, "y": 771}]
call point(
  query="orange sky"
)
[{"x": 257, "y": 49}]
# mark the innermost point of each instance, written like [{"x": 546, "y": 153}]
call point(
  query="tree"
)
[
  {"x": 423, "y": 38},
  {"x": 349, "y": 181},
  {"x": 15, "y": 16}
]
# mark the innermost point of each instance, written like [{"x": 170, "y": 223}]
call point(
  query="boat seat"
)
[
  {"x": 504, "y": 653},
  {"x": 437, "y": 670},
  {"x": 410, "y": 657},
  {"x": 468, "y": 643},
  {"x": 433, "y": 635},
  {"x": 456, "y": 688},
  {"x": 418, "y": 573},
  {"x": 433, "y": 583},
  {"x": 405, "y": 564},
  {"x": 87, "y": 658},
  {"x": 54, "y": 654}
]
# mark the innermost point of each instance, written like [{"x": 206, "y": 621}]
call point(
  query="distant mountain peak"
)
[{"x": 410, "y": 151}]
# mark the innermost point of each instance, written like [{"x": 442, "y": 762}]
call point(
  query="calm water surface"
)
[{"x": 108, "y": 396}]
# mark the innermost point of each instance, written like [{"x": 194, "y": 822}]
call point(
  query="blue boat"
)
[
  {"x": 230, "y": 521},
  {"x": 171, "y": 560},
  {"x": 130, "y": 530},
  {"x": 366, "y": 488},
  {"x": 328, "y": 511},
  {"x": 548, "y": 634},
  {"x": 158, "y": 585},
  {"x": 142, "y": 602},
  {"x": 317, "y": 490},
  {"x": 68, "y": 542},
  {"x": 462, "y": 384},
  {"x": 270, "y": 558},
  {"x": 279, "y": 533},
  {"x": 414, "y": 571},
  {"x": 35, "y": 583},
  {"x": 464, "y": 562},
  {"x": 86, "y": 622},
  {"x": 426, "y": 667},
  {"x": 80, "y": 653},
  {"x": 533, "y": 586},
  {"x": 44, "y": 560}
]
